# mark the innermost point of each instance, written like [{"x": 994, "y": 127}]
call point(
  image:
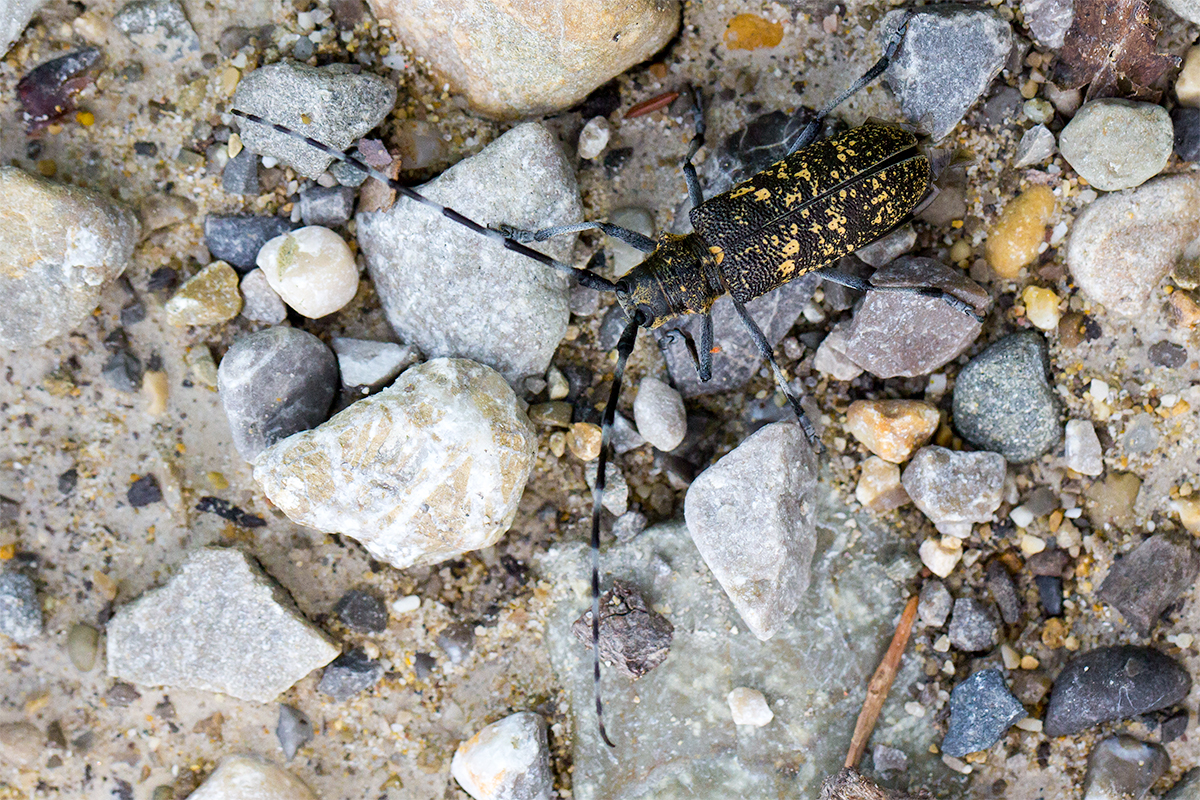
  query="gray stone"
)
[
  {"x": 634, "y": 638},
  {"x": 237, "y": 238},
  {"x": 349, "y": 674},
  {"x": 973, "y": 626},
  {"x": 1118, "y": 144},
  {"x": 123, "y": 371},
  {"x": 219, "y": 625},
  {"x": 261, "y": 303},
  {"x": 1140, "y": 434},
  {"x": 331, "y": 104},
  {"x": 955, "y": 489},
  {"x": 1167, "y": 354},
  {"x": 629, "y": 525},
  {"x": 362, "y": 362},
  {"x": 362, "y": 611},
  {"x": 1081, "y": 448},
  {"x": 428, "y": 469},
  {"x": 329, "y": 206},
  {"x": 20, "y": 611},
  {"x": 884, "y": 251},
  {"x": 616, "y": 489},
  {"x": 1004, "y": 592},
  {"x": 240, "y": 175},
  {"x": 1123, "y": 768},
  {"x": 1048, "y": 20},
  {"x": 751, "y": 516},
  {"x": 507, "y": 760},
  {"x": 905, "y": 334},
  {"x": 451, "y": 293},
  {"x": 293, "y": 730},
  {"x": 950, "y": 55},
  {"x": 159, "y": 26},
  {"x": 60, "y": 245},
  {"x": 659, "y": 414},
  {"x": 273, "y": 384},
  {"x": 981, "y": 710},
  {"x": 934, "y": 603},
  {"x": 1036, "y": 146},
  {"x": 83, "y": 642},
  {"x": 14, "y": 16},
  {"x": 457, "y": 640},
  {"x": 1187, "y": 132},
  {"x": 1143, "y": 583},
  {"x": 20, "y": 743},
  {"x": 625, "y": 256},
  {"x": 1003, "y": 401},
  {"x": 1188, "y": 787},
  {"x": 250, "y": 777},
  {"x": 1111, "y": 683},
  {"x": 888, "y": 759}
]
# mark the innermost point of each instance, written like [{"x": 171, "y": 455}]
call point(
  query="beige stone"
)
[
  {"x": 251, "y": 777},
  {"x": 209, "y": 297},
  {"x": 879, "y": 487},
  {"x": 892, "y": 429},
  {"x": 1187, "y": 85}
]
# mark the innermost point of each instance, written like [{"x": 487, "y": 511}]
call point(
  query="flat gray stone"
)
[
  {"x": 219, "y": 625},
  {"x": 362, "y": 362},
  {"x": 981, "y": 710},
  {"x": 1143, "y": 583}
]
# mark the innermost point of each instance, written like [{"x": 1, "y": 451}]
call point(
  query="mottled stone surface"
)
[
  {"x": 955, "y": 489},
  {"x": 158, "y": 26},
  {"x": 974, "y": 627},
  {"x": 981, "y": 710},
  {"x": 633, "y": 637},
  {"x": 1143, "y": 583},
  {"x": 219, "y": 625},
  {"x": 1122, "y": 767},
  {"x": 207, "y": 298},
  {"x": 59, "y": 245},
  {"x": 892, "y": 429},
  {"x": 251, "y": 777},
  {"x": 20, "y": 611},
  {"x": 1118, "y": 144},
  {"x": 751, "y": 516},
  {"x": 14, "y": 16},
  {"x": 452, "y": 293},
  {"x": 934, "y": 604},
  {"x": 507, "y": 760},
  {"x": 530, "y": 57},
  {"x": 429, "y": 468}
]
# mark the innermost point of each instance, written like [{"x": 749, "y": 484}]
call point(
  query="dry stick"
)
[{"x": 881, "y": 682}]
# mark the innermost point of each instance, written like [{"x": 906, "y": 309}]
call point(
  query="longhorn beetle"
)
[{"x": 824, "y": 200}]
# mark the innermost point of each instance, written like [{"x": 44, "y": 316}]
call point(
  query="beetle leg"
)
[
  {"x": 632, "y": 238},
  {"x": 695, "y": 194},
  {"x": 860, "y": 285},
  {"x": 702, "y": 355}
]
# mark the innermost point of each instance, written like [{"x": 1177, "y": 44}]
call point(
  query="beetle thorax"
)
[{"x": 677, "y": 279}]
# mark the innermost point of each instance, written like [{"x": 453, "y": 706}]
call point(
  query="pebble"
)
[
  {"x": 934, "y": 603},
  {"x": 448, "y": 292},
  {"x": 555, "y": 414},
  {"x": 220, "y": 624},
  {"x": 594, "y": 138},
  {"x": 349, "y": 674},
  {"x": 237, "y": 238},
  {"x": 955, "y": 489},
  {"x": 1188, "y": 787},
  {"x": 584, "y": 440},
  {"x": 557, "y": 385},
  {"x": 1167, "y": 354},
  {"x": 1122, "y": 767},
  {"x": 1112, "y": 683},
  {"x": 1143, "y": 583},
  {"x": 275, "y": 383},
  {"x": 123, "y": 371},
  {"x": 752, "y": 517},
  {"x": 293, "y": 730},
  {"x": 1140, "y": 435},
  {"x": 1018, "y": 233},
  {"x": 902, "y": 334},
  {"x": 1123, "y": 245},
  {"x": 1003, "y": 402},
  {"x": 886, "y": 759},
  {"x": 1041, "y": 307},
  {"x": 1004, "y": 592},
  {"x": 940, "y": 555},
  {"x": 510, "y": 64},
  {"x": 20, "y": 611},
  {"x": 457, "y": 640},
  {"x": 950, "y": 57},
  {"x": 624, "y": 257},
  {"x": 362, "y": 612},
  {"x": 122, "y": 695},
  {"x": 629, "y": 525},
  {"x": 329, "y": 206},
  {"x": 333, "y": 104},
  {"x": 634, "y": 638},
  {"x": 659, "y": 414},
  {"x": 1186, "y": 124},
  {"x": 159, "y": 26},
  {"x": 240, "y": 175},
  {"x": 70, "y": 243},
  {"x": 1048, "y": 20},
  {"x": 312, "y": 269},
  {"x": 973, "y": 626},
  {"x": 616, "y": 489},
  {"x": 507, "y": 760},
  {"x": 882, "y": 252},
  {"x": 362, "y": 362},
  {"x": 1117, "y": 144},
  {"x": 14, "y": 16},
  {"x": 981, "y": 710},
  {"x": 251, "y": 777},
  {"x": 1082, "y": 448},
  {"x": 428, "y": 469},
  {"x": 1050, "y": 594},
  {"x": 749, "y": 707},
  {"x": 1036, "y": 147},
  {"x": 892, "y": 429},
  {"x": 20, "y": 743},
  {"x": 144, "y": 491},
  {"x": 209, "y": 297},
  {"x": 1187, "y": 83},
  {"x": 879, "y": 487},
  {"x": 83, "y": 641},
  {"x": 260, "y": 303}
]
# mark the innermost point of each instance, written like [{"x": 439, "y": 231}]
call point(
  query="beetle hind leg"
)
[{"x": 861, "y": 285}]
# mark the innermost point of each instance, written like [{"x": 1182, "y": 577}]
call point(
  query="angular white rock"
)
[
  {"x": 751, "y": 517},
  {"x": 954, "y": 489},
  {"x": 1082, "y": 448},
  {"x": 940, "y": 559},
  {"x": 250, "y": 777},
  {"x": 749, "y": 707},
  {"x": 659, "y": 414},
  {"x": 594, "y": 138},
  {"x": 428, "y": 469},
  {"x": 261, "y": 303},
  {"x": 362, "y": 362},
  {"x": 312, "y": 269},
  {"x": 507, "y": 760}
]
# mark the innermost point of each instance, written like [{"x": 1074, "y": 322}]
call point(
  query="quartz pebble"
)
[
  {"x": 973, "y": 626},
  {"x": 379, "y": 470},
  {"x": 634, "y": 638},
  {"x": 293, "y": 730},
  {"x": 1018, "y": 233},
  {"x": 584, "y": 440},
  {"x": 1187, "y": 84},
  {"x": 1048, "y": 20},
  {"x": 507, "y": 760},
  {"x": 1143, "y": 583},
  {"x": 1041, "y": 307},
  {"x": 955, "y": 489},
  {"x": 616, "y": 490},
  {"x": 14, "y": 16},
  {"x": 940, "y": 556},
  {"x": 312, "y": 269},
  {"x": 749, "y": 707},
  {"x": 251, "y": 777},
  {"x": 934, "y": 603},
  {"x": 1036, "y": 146},
  {"x": 20, "y": 611},
  {"x": 892, "y": 429},
  {"x": 351, "y": 673},
  {"x": 981, "y": 710},
  {"x": 1082, "y": 448},
  {"x": 372, "y": 364},
  {"x": 879, "y": 487},
  {"x": 209, "y": 297},
  {"x": 659, "y": 414},
  {"x": 1122, "y": 767},
  {"x": 1118, "y": 144},
  {"x": 260, "y": 303},
  {"x": 594, "y": 138}
]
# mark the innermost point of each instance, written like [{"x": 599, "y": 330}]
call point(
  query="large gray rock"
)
[
  {"x": 429, "y": 468},
  {"x": 219, "y": 625},
  {"x": 751, "y": 516},
  {"x": 14, "y": 16},
  {"x": 450, "y": 292},
  {"x": 1111, "y": 683},
  {"x": 59, "y": 245}
]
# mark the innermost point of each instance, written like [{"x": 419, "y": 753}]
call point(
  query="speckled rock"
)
[
  {"x": 159, "y": 26},
  {"x": 934, "y": 604},
  {"x": 955, "y": 489},
  {"x": 1122, "y": 767},
  {"x": 430, "y": 272},
  {"x": 1049, "y": 20},
  {"x": 1082, "y": 448},
  {"x": 362, "y": 362},
  {"x": 892, "y": 429},
  {"x": 429, "y": 468},
  {"x": 751, "y": 516},
  {"x": 974, "y": 627},
  {"x": 60, "y": 245},
  {"x": 261, "y": 303},
  {"x": 20, "y": 743},
  {"x": 879, "y": 487},
  {"x": 507, "y": 760},
  {"x": 14, "y": 16},
  {"x": 981, "y": 710},
  {"x": 1111, "y": 683},
  {"x": 209, "y": 297},
  {"x": 251, "y": 777},
  {"x": 1143, "y": 583},
  {"x": 1118, "y": 144},
  {"x": 526, "y": 59},
  {"x": 219, "y": 625},
  {"x": 20, "y": 611}
]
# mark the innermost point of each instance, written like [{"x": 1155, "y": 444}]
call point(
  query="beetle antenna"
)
[{"x": 585, "y": 277}]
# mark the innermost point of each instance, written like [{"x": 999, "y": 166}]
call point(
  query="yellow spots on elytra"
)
[
  {"x": 717, "y": 253},
  {"x": 741, "y": 190},
  {"x": 787, "y": 268},
  {"x": 841, "y": 157},
  {"x": 791, "y": 248},
  {"x": 762, "y": 195}
]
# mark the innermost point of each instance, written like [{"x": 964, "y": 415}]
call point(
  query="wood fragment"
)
[
  {"x": 653, "y": 104},
  {"x": 881, "y": 683}
]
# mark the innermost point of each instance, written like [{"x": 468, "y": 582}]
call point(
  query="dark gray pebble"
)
[
  {"x": 1003, "y": 402},
  {"x": 144, "y": 491},
  {"x": 120, "y": 790},
  {"x": 1187, "y": 132},
  {"x": 1187, "y": 788},
  {"x": 67, "y": 481},
  {"x": 20, "y": 611},
  {"x": 981, "y": 710},
  {"x": 1048, "y": 562},
  {"x": 934, "y": 604},
  {"x": 240, "y": 175},
  {"x": 633, "y": 636},
  {"x": 1050, "y": 592},
  {"x": 123, "y": 371},
  {"x": 1125, "y": 767},
  {"x": 1142, "y": 584},
  {"x": 349, "y": 674},
  {"x": 238, "y": 238},
  {"x": 162, "y": 281},
  {"x": 121, "y": 694},
  {"x": 1112, "y": 683},
  {"x": 274, "y": 383},
  {"x": 423, "y": 665},
  {"x": 973, "y": 626},
  {"x": 1174, "y": 726},
  {"x": 362, "y": 611},
  {"x": 293, "y": 730},
  {"x": 328, "y": 206},
  {"x": 1168, "y": 354},
  {"x": 227, "y": 510},
  {"x": 133, "y": 312},
  {"x": 1004, "y": 592},
  {"x": 456, "y": 640}
]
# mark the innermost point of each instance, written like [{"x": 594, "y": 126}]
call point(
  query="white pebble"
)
[
  {"x": 914, "y": 709},
  {"x": 1031, "y": 724},
  {"x": 1099, "y": 390},
  {"x": 312, "y": 269},
  {"x": 594, "y": 138},
  {"x": 1021, "y": 516},
  {"x": 260, "y": 303},
  {"x": 1083, "y": 453},
  {"x": 659, "y": 414},
  {"x": 940, "y": 559},
  {"x": 749, "y": 707},
  {"x": 507, "y": 760},
  {"x": 248, "y": 777},
  {"x": 942, "y": 644},
  {"x": 406, "y": 604}
]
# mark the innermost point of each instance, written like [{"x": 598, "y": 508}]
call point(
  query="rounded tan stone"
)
[
  {"x": 879, "y": 487},
  {"x": 1019, "y": 231},
  {"x": 892, "y": 429},
  {"x": 209, "y": 297}
]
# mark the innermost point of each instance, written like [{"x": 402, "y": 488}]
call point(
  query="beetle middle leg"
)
[{"x": 861, "y": 285}]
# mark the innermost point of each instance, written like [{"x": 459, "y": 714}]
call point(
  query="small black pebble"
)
[
  {"x": 67, "y": 481},
  {"x": 362, "y": 611},
  {"x": 144, "y": 491},
  {"x": 121, "y": 790},
  {"x": 1050, "y": 593},
  {"x": 1174, "y": 726},
  {"x": 1168, "y": 354},
  {"x": 227, "y": 510},
  {"x": 149, "y": 149},
  {"x": 601, "y": 102},
  {"x": 349, "y": 674}
]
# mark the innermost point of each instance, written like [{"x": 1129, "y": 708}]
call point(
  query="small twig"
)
[{"x": 881, "y": 683}]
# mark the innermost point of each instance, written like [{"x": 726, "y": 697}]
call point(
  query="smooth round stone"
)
[
  {"x": 273, "y": 384},
  {"x": 749, "y": 707},
  {"x": 1121, "y": 767},
  {"x": 20, "y": 742},
  {"x": 312, "y": 269},
  {"x": 594, "y": 138},
  {"x": 209, "y": 297},
  {"x": 1118, "y": 144},
  {"x": 1019, "y": 231},
  {"x": 659, "y": 414},
  {"x": 82, "y": 643}
]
